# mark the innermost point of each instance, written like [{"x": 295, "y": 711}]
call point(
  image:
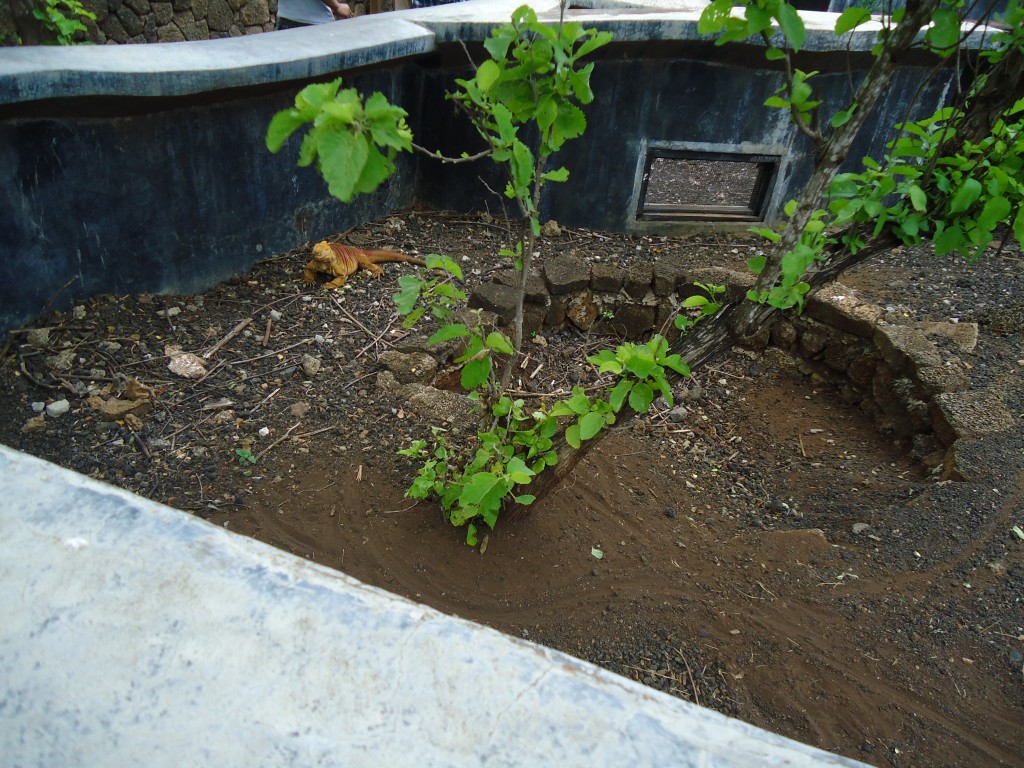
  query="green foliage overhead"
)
[
  {"x": 930, "y": 185},
  {"x": 54, "y": 16},
  {"x": 533, "y": 77},
  {"x": 352, "y": 143}
]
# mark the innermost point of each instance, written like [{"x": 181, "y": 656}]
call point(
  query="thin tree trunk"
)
[
  {"x": 739, "y": 317},
  {"x": 831, "y": 154}
]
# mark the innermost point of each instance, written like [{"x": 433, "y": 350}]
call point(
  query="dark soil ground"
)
[{"x": 731, "y": 575}]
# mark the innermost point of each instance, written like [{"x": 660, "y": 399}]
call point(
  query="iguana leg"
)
[
  {"x": 309, "y": 275},
  {"x": 335, "y": 283},
  {"x": 369, "y": 266}
]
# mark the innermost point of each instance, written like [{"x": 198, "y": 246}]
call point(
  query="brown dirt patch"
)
[{"x": 731, "y": 575}]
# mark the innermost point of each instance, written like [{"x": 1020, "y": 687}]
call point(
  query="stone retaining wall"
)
[
  {"x": 167, "y": 21},
  {"x": 909, "y": 377}
]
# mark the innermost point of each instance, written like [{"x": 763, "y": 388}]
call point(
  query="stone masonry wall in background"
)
[{"x": 166, "y": 21}]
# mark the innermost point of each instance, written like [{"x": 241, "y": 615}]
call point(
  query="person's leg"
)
[{"x": 289, "y": 24}]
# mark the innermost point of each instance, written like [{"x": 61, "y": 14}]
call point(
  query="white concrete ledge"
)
[
  {"x": 177, "y": 69},
  {"x": 137, "y": 635}
]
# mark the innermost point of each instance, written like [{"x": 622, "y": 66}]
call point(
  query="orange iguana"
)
[{"x": 340, "y": 261}]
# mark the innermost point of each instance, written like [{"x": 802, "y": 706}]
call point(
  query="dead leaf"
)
[
  {"x": 115, "y": 409},
  {"x": 186, "y": 364},
  {"x": 136, "y": 390}
]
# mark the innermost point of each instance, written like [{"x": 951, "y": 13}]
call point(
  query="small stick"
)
[
  {"x": 315, "y": 431},
  {"x": 693, "y": 684},
  {"x": 142, "y": 445},
  {"x": 263, "y": 402},
  {"x": 358, "y": 379},
  {"x": 361, "y": 326},
  {"x": 378, "y": 339},
  {"x": 802, "y": 451},
  {"x": 266, "y": 333},
  {"x": 274, "y": 444},
  {"x": 220, "y": 364},
  {"x": 231, "y": 334},
  {"x": 189, "y": 426},
  {"x": 271, "y": 354}
]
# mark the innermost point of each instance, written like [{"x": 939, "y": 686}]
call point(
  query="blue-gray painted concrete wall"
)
[
  {"x": 145, "y": 170},
  {"x": 156, "y": 195}
]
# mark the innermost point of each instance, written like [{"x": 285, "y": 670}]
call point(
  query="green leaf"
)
[
  {"x": 437, "y": 261},
  {"x": 387, "y": 123},
  {"x": 560, "y": 174},
  {"x": 376, "y": 171},
  {"x": 618, "y": 393},
  {"x": 471, "y": 538},
  {"x": 570, "y": 123},
  {"x": 526, "y": 499},
  {"x": 918, "y": 198},
  {"x": 596, "y": 553},
  {"x": 283, "y": 125},
  {"x": 499, "y": 343},
  {"x": 641, "y": 366},
  {"x": 409, "y": 290},
  {"x": 774, "y": 54},
  {"x": 851, "y": 18},
  {"x": 604, "y": 356},
  {"x": 476, "y": 372},
  {"x": 965, "y": 196},
  {"x": 792, "y": 25},
  {"x": 758, "y": 20},
  {"x": 590, "y": 425},
  {"x": 996, "y": 209},
  {"x": 944, "y": 33},
  {"x": 518, "y": 472},
  {"x": 579, "y": 403},
  {"x": 413, "y": 317},
  {"x": 342, "y": 158},
  {"x": 675, "y": 362},
  {"x": 713, "y": 17},
  {"x": 641, "y": 397},
  {"x": 307, "y": 150},
  {"x": 487, "y": 75},
  {"x": 841, "y": 118},
  {"x": 312, "y": 98},
  {"x": 695, "y": 301},
  {"x": 572, "y": 436},
  {"x": 522, "y": 169},
  {"x": 911, "y": 226},
  {"x": 756, "y": 264},
  {"x": 453, "y": 331},
  {"x": 949, "y": 239},
  {"x": 482, "y": 486},
  {"x": 1018, "y": 225}
]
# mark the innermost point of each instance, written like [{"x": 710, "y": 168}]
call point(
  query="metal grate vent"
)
[{"x": 684, "y": 185}]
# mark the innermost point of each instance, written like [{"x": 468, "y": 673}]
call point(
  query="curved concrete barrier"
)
[{"x": 134, "y": 634}]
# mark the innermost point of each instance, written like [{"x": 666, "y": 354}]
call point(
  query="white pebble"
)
[{"x": 58, "y": 408}]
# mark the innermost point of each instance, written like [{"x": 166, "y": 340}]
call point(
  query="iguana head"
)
[
  {"x": 323, "y": 253},
  {"x": 323, "y": 256}
]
